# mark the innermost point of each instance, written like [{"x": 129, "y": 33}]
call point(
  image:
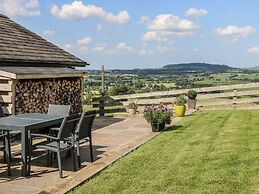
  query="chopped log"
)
[{"x": 34, "y": 96}]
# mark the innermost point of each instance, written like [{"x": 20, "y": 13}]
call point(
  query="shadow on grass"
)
[{"x": 174, "y": 128}]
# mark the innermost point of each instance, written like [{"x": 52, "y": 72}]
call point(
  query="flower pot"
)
[
  {"x": 156, "y": 127},
  {"x": 132, "y": 111},
  {"x": 191, "y": 103},
  {"x": 180, "y": 110}
]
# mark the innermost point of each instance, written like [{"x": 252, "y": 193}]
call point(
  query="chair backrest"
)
[
  {"x": 1, "y": 112},
  {"x": 68, "y": 126},
  {"x": 85, "y": 124},
  {"x": 59, "y": 109}
]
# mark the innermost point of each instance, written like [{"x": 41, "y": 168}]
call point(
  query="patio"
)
[{"x": 110, "y": 142}]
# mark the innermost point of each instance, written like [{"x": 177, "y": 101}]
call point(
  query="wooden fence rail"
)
[{"x": 207, "y": 96}]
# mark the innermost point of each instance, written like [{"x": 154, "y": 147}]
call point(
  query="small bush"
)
[
  {"x": 180, "y": 101},
  {"x": 132, "y": 105},
  {"x": 192, "y": 94}
]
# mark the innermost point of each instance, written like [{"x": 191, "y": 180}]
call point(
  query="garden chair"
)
[
  {"x": 54, "y": 109},
  {"x": 59, "y": 109},
  {"x": 4, "y": 135},
  {"x": 2, "y": 114},
  {"x": 84, "y": 133},
  {"x": 57, "y": 143}
]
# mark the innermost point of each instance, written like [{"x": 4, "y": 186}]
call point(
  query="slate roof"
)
[{"x": 20, "y": 46}]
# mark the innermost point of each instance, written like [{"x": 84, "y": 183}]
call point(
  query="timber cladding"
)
[{"x": 35, "y": 95}]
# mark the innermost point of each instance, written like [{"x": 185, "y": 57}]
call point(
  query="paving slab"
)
[{"x": 113, "y": 138}]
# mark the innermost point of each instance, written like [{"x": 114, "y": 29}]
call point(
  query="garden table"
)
[{"x": 24, "y": 123}]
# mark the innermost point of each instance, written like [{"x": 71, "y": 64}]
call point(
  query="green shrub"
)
[
  {"x": 192, "y": 94},
  {"x": 180, "y": 101},
  {"x": 132, "y": 105}
]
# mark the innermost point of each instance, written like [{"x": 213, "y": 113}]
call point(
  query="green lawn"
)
[{"x": 208, "y": 152}]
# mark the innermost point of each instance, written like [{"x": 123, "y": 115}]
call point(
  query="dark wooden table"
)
[{"x": 24, "y": 123}]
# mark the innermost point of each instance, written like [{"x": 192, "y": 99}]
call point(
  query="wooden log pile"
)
[{"x": 34, "y": 96}]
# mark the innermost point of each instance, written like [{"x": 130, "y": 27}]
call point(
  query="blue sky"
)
[{"x": 148, "y": 33}]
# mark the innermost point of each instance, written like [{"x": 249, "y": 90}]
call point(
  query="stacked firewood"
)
[{"x": 34, "y": 96}]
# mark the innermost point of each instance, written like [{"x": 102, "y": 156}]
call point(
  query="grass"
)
[{"x": 208, "y": 152}]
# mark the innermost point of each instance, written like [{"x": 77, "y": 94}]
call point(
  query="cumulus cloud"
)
[
  {"x": 144, "y": 20},
  {"x": 79, "y": 11},
  {"x": 169, "y": 22},
  {"x": 49, "y": 32},
  {"x": 195, "y": 12},
  {"x": 99, "y": 27},
  {"x": 162, "y": 49},
  {"x": 84, "y": 41},
  {"x": 234, "y": 30},
  {"x": 165, "y": 25},
  {"x": 254, "y": 49},
  {"x": 23, "y": 8},
  {"x": 124, "y": 47},
  {"x": 68, "y": 47},
  {"x": 161, "y": 35},
  {"x": 153, "y": 36}
]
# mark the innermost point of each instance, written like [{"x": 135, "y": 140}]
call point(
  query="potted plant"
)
[
  {"x": 132, "y": 108},
  {"x": 192, "y": 94},
  {"x": 157, "y": 116},
  {"x": 180, "y": 107}
]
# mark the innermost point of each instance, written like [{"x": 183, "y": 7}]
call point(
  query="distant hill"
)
[{"x": 197, "y": 67}]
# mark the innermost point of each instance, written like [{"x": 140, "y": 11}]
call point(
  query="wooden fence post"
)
[
  {"x": 101, "y": 102},
  {"x": 101, "y": 107},
  {"x": 234, "y": 99}
]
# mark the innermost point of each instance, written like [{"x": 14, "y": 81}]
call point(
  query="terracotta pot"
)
[
  {"x": 191, "y": 103},
  {"x": 180, "y": 110},
  {"x": 132, "y": 111}
]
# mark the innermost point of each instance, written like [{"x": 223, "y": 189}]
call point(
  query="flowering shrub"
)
[{"x": 158, "y": 114}]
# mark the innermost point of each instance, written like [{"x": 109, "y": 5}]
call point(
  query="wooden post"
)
[
  {"x": 101, "y": 107},
  {"x": 101, "y": 102},
  {"x": 234, "y": 99},
  {"x": 102, "y": 80}
]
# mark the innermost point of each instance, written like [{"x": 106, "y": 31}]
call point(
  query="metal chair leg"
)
[
  {"x": 78, "y": 154},
  {"x": 91, "y": 149},
  {"x": 59, "y": 162},
  {"x": 7, "y": 153}
]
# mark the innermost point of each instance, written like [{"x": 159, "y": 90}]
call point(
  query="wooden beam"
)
[
  {"x": 184, "y": 91},
  {"x": 6, "y": 87},
  {"x": 43, "y": 76}
]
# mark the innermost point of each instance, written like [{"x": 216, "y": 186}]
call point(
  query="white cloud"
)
[
  {"x": 143, "y": 52},
  {"x": 195, "y": 12},
  {"x": 83, "y": 49},
  {"x": 165, "y": 25},
  {"x": 234, "y": 30},
  {"x": 84, "y": 41},
  {"x": 68, "y": 47},
  {"x": 161, "y": 35},
  {"x": 23, "y": 8},
  {"x": 99, "y": 27},
  {"x": 153, "y": 36},
  {"x": 196, "y": 50},
  {"x": 162, "y": 49},
  {"x": 169, "y": 22},
  {"x": 254, "y": 49},
  {"x": 78, "y": 11},
  {"x": 144, "y": 20},
  {"x": 100, "y": 47},
  {"x": 49, "y": 32},
  {"x": 124, "y": 47}
]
